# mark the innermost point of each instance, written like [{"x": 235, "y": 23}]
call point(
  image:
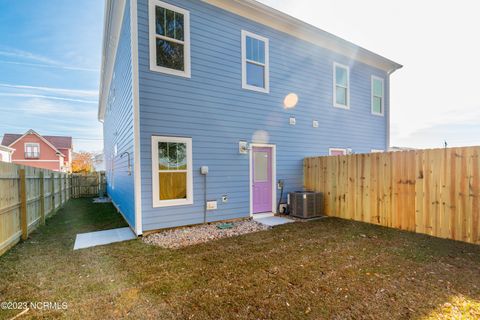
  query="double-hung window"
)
[
  {"x": 341, "y": 86},
  {"x": 255, "y": 62},
  {"x": 32, "y": 150},
  {"x": 378, "y": 96},
  {"x": 172, "y": 171},
  {"x": 169, "y": 39}
]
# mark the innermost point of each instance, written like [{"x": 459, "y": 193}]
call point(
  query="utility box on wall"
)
[{"x": 211, "y": 205}]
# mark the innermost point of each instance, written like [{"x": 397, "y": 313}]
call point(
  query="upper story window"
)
[
  {"x": 32, "y": 150},
  {"x": 341, "y": 89},
  {"x": 255, "y": 62},
  {"x": 378, "y": 96},
  {"x": 169, "y": 39},
  {"x": 172, "y": 171}
]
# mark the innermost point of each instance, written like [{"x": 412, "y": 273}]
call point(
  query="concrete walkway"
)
[
  {"x": 98, "y": 238},
  {"x": 271, "y": 220}
]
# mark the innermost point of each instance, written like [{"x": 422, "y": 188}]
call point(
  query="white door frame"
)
[{"x": 274, "y": 174}]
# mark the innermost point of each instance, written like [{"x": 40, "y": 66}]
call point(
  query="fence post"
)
[
  {"x": 60, "y": 190},
  {"x": 42, "y": 197},
  {"x": 99, "y": 182},
  {"x": 52, "y": 192},
  {"x": 23, "y": 204},
  {"x": 65, "y": 187}
]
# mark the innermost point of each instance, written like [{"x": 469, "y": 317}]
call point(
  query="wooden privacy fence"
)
[
  {"x": 30, "y": 195},
  {"x": 435, "y": 192},
  {"x": 27, "y": 197}
]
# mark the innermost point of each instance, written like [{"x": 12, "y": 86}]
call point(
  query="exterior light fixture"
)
[{"x": 243, "y": 147}]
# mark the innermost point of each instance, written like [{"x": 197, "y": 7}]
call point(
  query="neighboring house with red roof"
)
[{"x": 48, "y": 152}]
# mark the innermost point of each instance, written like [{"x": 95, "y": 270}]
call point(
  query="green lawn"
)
[{"x": 330, "y": 269}]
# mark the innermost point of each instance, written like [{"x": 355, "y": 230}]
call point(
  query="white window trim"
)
[
  {"x": 246, "y": 86},
  {"x": 152, "y": 39},
  {"x": 331, "y": 150},
  {"x": 335, "y": 104},
  {"x": 383, "y": 97},
  {"x": 32, "y": 145},
  {"x": 377, "y": 151},
  {"x": 155, "y": 179}
]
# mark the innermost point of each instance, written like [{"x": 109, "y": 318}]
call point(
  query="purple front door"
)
[{"x": 262, "y": 179}]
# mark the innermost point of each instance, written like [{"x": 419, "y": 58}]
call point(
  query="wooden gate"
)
[{"x": 88, "y": 185}]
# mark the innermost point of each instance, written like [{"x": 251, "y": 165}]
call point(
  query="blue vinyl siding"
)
[
  {"x": 214, "y": 110},
  {"x": 118, "y": 127}
]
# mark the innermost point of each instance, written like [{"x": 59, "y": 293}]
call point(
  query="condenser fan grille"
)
[{"x": 306, "y": 204}]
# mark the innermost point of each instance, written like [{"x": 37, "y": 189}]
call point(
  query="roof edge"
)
[
  {"x": 6, "y": 148},
  {"x": 258, "y": 12},
  {"x": 31, "y": 131},
  {"x": 112, "y": 25},
  {"x": 250, "y": 9}
]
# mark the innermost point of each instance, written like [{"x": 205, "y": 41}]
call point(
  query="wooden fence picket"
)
[
  {"x": 436, "y": 192},
  {"x": 28, "y": 196}
]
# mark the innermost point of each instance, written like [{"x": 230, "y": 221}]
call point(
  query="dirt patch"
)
[{"x": 183, "y": 237}]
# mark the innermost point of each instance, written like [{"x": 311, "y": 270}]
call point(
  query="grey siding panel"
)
[
  {"x": 216, "y": 112},
  {"x": 118, "y": 127}
]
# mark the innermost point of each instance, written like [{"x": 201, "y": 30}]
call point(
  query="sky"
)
[
  {"x": 50, "y": 53},
  {"x": 435, "y": 97}
]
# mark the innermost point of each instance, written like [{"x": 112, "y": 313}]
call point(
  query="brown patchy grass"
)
[{"x": 326, "y": 269}]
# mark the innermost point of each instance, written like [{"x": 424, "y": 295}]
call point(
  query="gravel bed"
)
[{"x": 182, "y": 237}]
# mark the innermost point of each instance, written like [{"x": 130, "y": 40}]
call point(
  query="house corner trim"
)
[{"x": 136, "y": 117}]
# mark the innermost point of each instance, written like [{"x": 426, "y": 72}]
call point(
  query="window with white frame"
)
[
  {"x": 378, "y": 92},
  {"x": 341, "y": 86},
  {"x": 337, "y": 151},
  {"x": 255, "y": 62},
  {"x": 32, "y": 150},
  {"x": 172, "y": 171},
  {"x": 169, "y": 38}
]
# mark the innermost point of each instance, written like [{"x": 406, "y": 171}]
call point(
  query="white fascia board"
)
[
  {"x": 114, "y": 12},
  {"x": 258, "y": 12}
]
